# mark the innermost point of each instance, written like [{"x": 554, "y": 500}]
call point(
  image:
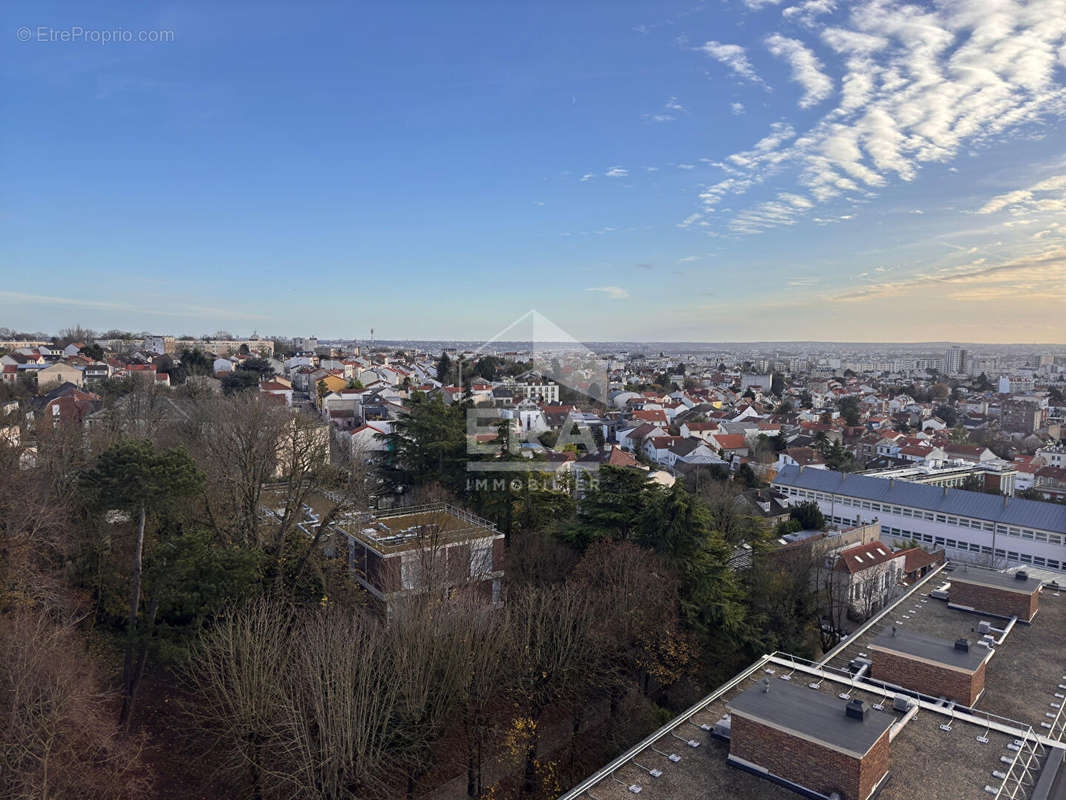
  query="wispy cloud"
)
[
  {"x": 737, "y": 109},
  {"x": 177, "y": 310},
  {"x": 1041, "y": 275},
  {"x": 1046, "y": 197},
  {"x": 612, "y": 292},
  {"x": 805, "y": 66},
  {"x": 735, "y": 58},
  {"x": 917, "y": 85},
  {"x": 616, "y": 172}
]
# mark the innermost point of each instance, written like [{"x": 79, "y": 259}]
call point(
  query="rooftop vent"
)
[
  {"x": 1021, "y": 575},
  {"x": 963, "y": 645},
  {"x": 856, "y": 709}
]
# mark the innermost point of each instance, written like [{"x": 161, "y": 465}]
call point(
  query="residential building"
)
[
  {"x": 405, "y": 552},
  {"x": 1020, "y": 416},
  {"x": 867, "y": 576}
]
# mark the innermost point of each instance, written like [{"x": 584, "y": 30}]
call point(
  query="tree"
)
[
  {"x": 444, "y": 368},
  {"x": 93, "y": 351},
  {"x": 260, "y": 366},
  {"x": 196, "y": 362},
  {"x": 677, "y": 527},
  {"x": 236, "y": 442},
  {"x": 837, "y": 457},
  {"x": 134, "y": 477},
  {"x": 849, "y": 410},
  {"x": 948, "y": 414},
  {"x": 58, "y": 739},
  {"x": 610, "y": 510},
  {"x": 553, "y": 635},
  {"x": 777, "y": 384},
  {"x": 485, "y": 680},
  {"x": 240, "y": 380},
  {"x": 427, "y": 444},
  {"x": 809, "y": 515},
  {"x": 746, "y": 476},
  {"x": 635, "y": 596}
]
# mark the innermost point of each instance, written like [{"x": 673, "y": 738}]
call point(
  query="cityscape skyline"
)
[{"x": 677, "y": 172}]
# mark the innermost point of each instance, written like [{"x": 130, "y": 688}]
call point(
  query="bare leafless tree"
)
[
  {"x": 57, "y": 735},
  {"x": 236, "y": 442},
  {"x": 553, "y": 630}
]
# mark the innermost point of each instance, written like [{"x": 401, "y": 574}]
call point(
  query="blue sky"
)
[{"x": 735, "y": 170}]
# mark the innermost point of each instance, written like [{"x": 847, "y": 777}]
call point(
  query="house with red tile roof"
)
[{"x": 867, "y": 577}]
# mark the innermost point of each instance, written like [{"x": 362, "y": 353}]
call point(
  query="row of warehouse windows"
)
[
  {"x": 903, "y": 536},
  {"x": 948, "y": 519}
]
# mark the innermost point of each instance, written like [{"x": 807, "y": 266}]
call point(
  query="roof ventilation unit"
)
[
  {"x": 723, "y": 728},
  {"x": 1021, "y": 575},
  {"x": 962, "y": 645},
  {"x": 856, "y": 709}
]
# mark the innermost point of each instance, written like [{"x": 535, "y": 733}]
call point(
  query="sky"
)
[{"x": 663, "y": 171}]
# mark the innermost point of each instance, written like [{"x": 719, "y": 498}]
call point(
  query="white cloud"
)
[
  {"x": 588, "y": 176},
  {"x": 918, "y": 85},
  {"x": 806, "y": 68},
  {"x": 616, "y": 172},
  {"x": 612, "y": 292},
  {"x": 737, "y": 109},
  {"x": 178, "y": 310},
  {"x": 1046, "y": 197},
  {"x": 806, "y": 12},
  {"x": 733, "y": 56}
]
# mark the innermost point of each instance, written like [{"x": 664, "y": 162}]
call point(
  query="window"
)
[
  {"x": 940, "y": 518},
  {"x": 480, "y": 558}
]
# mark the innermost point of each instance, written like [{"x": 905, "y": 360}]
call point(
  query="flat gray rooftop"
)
[
  {"x": 931, "y": 648},
  {"x": 989, "y": 577},
  {"x": 976, "y": 505},
  {"x": 1022, "y": 677},
  {"x": 926, "y": 763},
  {"x": 813, "y": 716}
]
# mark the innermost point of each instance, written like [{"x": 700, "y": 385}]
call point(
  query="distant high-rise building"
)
[{"x": 955, "y": 360}]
